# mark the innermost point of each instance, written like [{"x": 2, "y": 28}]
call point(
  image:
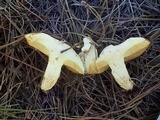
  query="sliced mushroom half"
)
[
  {"x": 53, "y": 49},
  {"x": 115, "y": 56}
]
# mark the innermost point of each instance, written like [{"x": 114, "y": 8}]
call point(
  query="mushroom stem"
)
[
  {"x": 52, "y": 72},
  {"x": 120, "y": 73}
]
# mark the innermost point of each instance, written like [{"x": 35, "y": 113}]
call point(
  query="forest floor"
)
[{"x": 78, "y": 97}]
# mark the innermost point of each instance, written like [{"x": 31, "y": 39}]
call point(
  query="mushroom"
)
[
  {"x": 115, "y": 56},
  {"x": 53, "y": 49},
  {"x": 89, "y": 55}
]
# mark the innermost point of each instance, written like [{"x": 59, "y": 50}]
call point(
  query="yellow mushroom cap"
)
[{"x": 52, "y": 48}]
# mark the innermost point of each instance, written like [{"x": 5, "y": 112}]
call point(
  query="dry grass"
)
[{"x": 74, "y": 96}]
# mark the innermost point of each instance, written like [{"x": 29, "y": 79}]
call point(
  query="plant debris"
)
[{"x": 76, "y": 96}]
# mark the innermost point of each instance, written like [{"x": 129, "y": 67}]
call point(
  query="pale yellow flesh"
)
[
  {"x": 52, "y": 48},
  {"x": 47, "y": 44},
  {"x": 52, "y": 72},
  {"x": 115, "y": 56},
  {"x": 42, "y": 42},
  {"x": 87, "y": 44},
  {"x": 112, "y": 56},
  {"x": 121, "y": 74},
  {"x": 89, "y": 56},
  {"x": 73, "y": 62},
  {"x": 115, "y": 60},
  {"x": 90, "y": 61},
  {"x": 133, "y": 48}
]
